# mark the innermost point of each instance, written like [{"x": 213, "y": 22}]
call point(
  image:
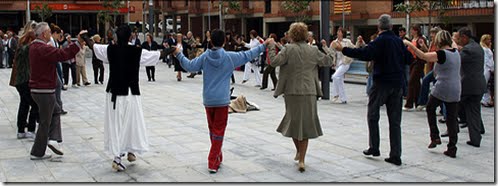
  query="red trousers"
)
[{"x": 217, "y": 118}]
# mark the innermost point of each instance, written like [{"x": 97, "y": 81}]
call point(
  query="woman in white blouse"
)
[
  {"x": 342, "y": 64},
  {"x": 489, "y": 66}
]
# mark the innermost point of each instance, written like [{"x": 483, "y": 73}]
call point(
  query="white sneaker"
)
[
  {"x": 337, "y": 101},
  {"x": 65, "y": 86},
  {"x": 212, "y": 171},
  {"x": 75, "y": 86},
  {"x": 46, "y": 156},
  {"x": 407, "y": 109},
  {"x": 421, "y": 108},
  {"x": 55, "y": 147},
  {"x": 21, "y": 135},
  {"x": 30, "y": 135}
]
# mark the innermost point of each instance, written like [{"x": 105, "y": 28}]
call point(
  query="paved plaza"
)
[{"x": 253, "y": 151}]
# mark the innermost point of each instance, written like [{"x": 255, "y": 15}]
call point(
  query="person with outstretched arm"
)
[{"x": 217, "y": 66}]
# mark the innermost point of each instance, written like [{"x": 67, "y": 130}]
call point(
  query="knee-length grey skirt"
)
[{"x": 301, "y": 118}]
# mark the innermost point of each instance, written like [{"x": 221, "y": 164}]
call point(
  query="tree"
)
[
  {"x": 233, "y": 5},
  {"x": 44, "y": 13},
  {"x": 430, "y": 6},
  {"x": 108, "y": 16},
  {"x": 298, "y": 8}
]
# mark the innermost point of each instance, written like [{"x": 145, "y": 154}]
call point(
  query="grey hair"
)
[
  {"x": 465, "y": 31},
  {"x": 40, "y": 28},
  {"x": 310, "y": 34},
  {"x": 385, "y": 22}
]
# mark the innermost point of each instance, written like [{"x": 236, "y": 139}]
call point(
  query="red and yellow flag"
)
[{"x": 342, "y": 5}]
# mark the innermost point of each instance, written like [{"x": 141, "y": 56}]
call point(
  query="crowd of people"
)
[{"x": 460, "y": 70}]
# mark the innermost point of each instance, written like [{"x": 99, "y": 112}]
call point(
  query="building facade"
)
[
  {"x": 71, "y": 15},
  {"x": 264, "y": 16},
  {"x": 267, "y": 16}
]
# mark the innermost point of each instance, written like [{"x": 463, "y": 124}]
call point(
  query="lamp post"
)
[
  {"x": 151, "y": 17},
  {"x": 209, "y": 15},
  {"x": 324, "y": 27},
  {"x": 221, "y": 14},
  {"x": 343, "y": 16},
  {"x": 28, "y": 11},
  {"x": 128, "y": 12}
]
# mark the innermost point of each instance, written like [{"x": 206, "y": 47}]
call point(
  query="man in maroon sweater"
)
[{"x": 43, "y": 59}]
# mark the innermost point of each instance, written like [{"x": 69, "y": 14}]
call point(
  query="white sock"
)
[{"x": 117, "y": 159}]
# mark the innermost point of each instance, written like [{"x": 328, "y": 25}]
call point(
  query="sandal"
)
[
  {"x": 118, "y": 166},
  {"x": 131, "y": 157}
]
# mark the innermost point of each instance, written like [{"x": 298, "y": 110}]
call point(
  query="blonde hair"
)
[
  {"x": 298, "y": 32},
  {"x": 483, "y": 38},
  {"x": 96, "y": 37},
  {"x": 443, "y": 38}
]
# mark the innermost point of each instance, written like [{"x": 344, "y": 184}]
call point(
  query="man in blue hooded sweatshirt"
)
[{"x": 217, "y": 66}]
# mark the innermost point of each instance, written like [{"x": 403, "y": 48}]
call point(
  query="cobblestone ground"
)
[{"x": 253, "y": 150}]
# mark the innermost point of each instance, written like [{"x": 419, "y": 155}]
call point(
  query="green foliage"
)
[
  {"x": 234, "y": 5},
  {"x": 105, "y": 16},
  {"x": 421, "y": 5},
  {"x": 45, "y": 12},
  {"x": 430, "y": 6},
  {"x": 298, "y": 7}
]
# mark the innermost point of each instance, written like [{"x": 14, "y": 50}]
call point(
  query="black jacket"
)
[
  {"x": 390, "y": 56},
  {"x": 153, "y": 47},
  {"x": 472, "y": 69}
]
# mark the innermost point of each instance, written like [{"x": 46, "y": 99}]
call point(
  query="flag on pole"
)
[{"x": 342, "y": 5}]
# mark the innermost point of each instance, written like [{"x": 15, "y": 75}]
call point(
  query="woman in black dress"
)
[{"x": 151, "y": 45}]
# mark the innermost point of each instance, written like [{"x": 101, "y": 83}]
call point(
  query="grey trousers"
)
[
  {"x": 58, "y": 91},
  {"x": 50, "y": 122},
  {"x": 471, "y": 105},
  {"x": 393, "y": 99}
]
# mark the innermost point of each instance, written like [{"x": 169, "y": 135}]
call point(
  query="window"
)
[
  {"x": 396, "y": 2},
  {"x": 267, "y": 6}
]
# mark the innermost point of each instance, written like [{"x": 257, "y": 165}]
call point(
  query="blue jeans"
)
[
  {"x": 423, "y": 97},
  {"x": 406, "y": 76},
  {"x": 369, "y": 83}
]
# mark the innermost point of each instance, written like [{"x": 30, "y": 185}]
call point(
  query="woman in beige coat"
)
[{"x": 298, "y": 81}]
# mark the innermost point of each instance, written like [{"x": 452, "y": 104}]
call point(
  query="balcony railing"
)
[{"x": 469, "y": 4}]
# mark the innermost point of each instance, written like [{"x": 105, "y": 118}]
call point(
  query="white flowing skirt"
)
[{"x": 124, "y": 127}]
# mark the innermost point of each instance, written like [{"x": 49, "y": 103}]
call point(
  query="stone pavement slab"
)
[{"x": 253, "y": 150}]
